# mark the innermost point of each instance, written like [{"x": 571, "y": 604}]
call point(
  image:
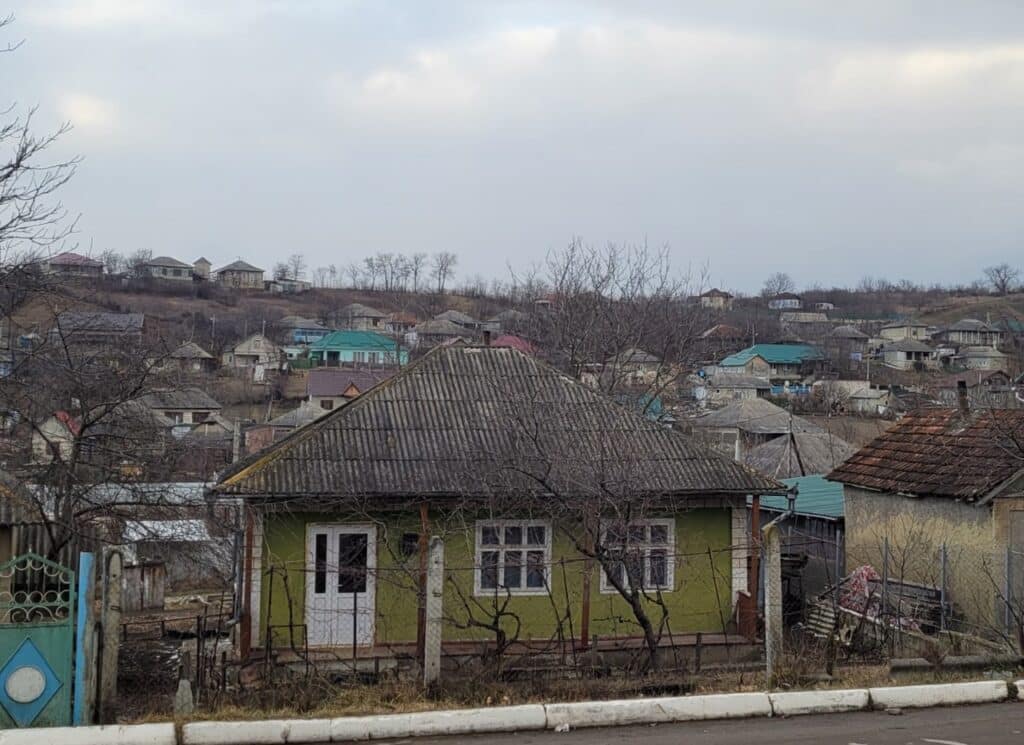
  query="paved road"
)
[{"x": 991, "y": 724}]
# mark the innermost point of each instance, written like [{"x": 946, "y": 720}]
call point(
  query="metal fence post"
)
[{"x": 943, "y": 558}]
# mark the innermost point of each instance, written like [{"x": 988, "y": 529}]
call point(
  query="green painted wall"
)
[{"x": 701, "y": 600}]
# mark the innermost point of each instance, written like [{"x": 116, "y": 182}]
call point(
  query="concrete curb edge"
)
[{"x": 529, "y": 717}]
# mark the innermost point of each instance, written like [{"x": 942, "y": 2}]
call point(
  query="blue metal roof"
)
[
  {"x": 816, "y": 497},
  {"x": 776, "y": 354},
  {"x": 355, "y": 340}
]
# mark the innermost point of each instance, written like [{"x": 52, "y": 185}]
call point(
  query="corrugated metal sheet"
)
[
  {"x": 481, "y": 421},
  {"x": 775, "y": 354},
  {"x": 816, "y": 497},
  {"x": 941, "y": 452}
]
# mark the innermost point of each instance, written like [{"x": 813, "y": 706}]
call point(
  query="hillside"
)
[{"x": 953, "y": 308}]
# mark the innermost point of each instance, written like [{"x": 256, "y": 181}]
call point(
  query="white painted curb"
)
[
  {"x": 1019, "y": 685},
  {"x": 794, "y": 703},
  {"x": 266, "y": 732},
  {"x": 943, "y": 694},
  {"x": 434, "y": 723},
  {"x": 115, "y": 734},
  {"x": 522, "y": 718},
  {"x": 657, "y": 710}
]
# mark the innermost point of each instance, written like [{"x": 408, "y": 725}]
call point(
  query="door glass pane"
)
[
  {"x": 513, "y": 535},
  {"x": 488, "y": 570},
  {"x": 490, "y": 536},
  {"x": 352, "y": 562},
  {"x": 320, "y": 563},
  {"x": 535, "y": 535},
  {"x": 658, "y": 567},
  {"x": 637, "y": 534},
  {"x": 513, "y": 569},
  {"x": 535, "y": 569}
]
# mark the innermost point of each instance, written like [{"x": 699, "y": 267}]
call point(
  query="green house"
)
[
  {"x": 550, "y": 498},
  {"x": 357, "y": 347}
]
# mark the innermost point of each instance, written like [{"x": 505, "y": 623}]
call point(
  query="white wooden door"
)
[{"x": 340, "y": 584}]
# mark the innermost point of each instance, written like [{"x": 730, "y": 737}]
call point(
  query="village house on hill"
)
[
  {"x": 240, "y": 275},
  {"x": 73, "y": 265}
]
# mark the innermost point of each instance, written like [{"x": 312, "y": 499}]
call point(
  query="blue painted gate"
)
[{"x": 37, "y": 642}]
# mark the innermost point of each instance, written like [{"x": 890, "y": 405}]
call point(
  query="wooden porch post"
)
[{"x": 421, "y": 604}]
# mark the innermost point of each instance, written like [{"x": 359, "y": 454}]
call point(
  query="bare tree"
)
[
  {"x": 355, "y": 274},
  {"x": 112, "y": 261},
  {"x": 443, "y": 268},
  {"x": 281, "y": 270},
  {"x": 619, "y": 320},
  {"x": 137, "y": 262},
  {"x": 1002, "y": 278},
  {"x": 296, "y": 267},
  {"x": 417, "y": 266},
  {"x": 777, "y": 284}
]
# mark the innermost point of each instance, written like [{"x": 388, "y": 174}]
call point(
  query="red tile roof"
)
[
  {"x": 515, "y": 342},
  {"x": 941, "y": 452}
]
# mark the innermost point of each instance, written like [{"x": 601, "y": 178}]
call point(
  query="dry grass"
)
[{"x": 319, "y": 699}]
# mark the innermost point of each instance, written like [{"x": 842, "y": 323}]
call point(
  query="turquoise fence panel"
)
[{"x": 37, "y": 629}]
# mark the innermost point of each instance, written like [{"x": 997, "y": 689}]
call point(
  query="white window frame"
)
[
  {"x": 645, "y": 548},
  {"x": 480, "y": 548}
]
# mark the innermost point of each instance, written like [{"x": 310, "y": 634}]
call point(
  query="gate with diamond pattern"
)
[{"x": 37, "y": 633}]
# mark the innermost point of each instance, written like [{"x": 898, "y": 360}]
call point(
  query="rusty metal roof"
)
[
  {"x": 941, "y": 452},
  {"x": 480, "y": 421}
]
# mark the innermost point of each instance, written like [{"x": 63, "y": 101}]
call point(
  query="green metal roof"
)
[
  {"x": 355, "y": 340},
  {"x": 816, "y": 497},
  {"x": 776, "y": 354}
]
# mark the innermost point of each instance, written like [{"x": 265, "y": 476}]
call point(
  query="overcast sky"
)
[{"x": 827, "y": 140}]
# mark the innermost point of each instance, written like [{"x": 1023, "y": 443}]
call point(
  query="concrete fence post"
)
[
  {"x": 434, "y": 612},
  {"x": 772, "y": 601},
  {"x": 110, "y": 622},
  {"x": 943, "y": 593}
]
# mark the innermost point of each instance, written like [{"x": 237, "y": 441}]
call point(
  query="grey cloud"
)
[{"x": 830, "y": 142}]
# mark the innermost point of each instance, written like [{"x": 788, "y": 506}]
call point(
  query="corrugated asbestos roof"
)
[
  {"x": 239, "y": 266},
  {"x": 481, "y": 421},
  {"x": 941, "y": 452},
  {"x": 817, "y": 453},
  {"x": 756, "y": 416},
  {"x": 334, "y": 381}
]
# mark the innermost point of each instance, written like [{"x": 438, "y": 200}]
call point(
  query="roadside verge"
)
[{"x": 557, "y": 716}]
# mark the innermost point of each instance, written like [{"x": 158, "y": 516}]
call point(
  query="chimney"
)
[
  {"x": 487, "y": 338},
  {"x": 961, "y": 397}
]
